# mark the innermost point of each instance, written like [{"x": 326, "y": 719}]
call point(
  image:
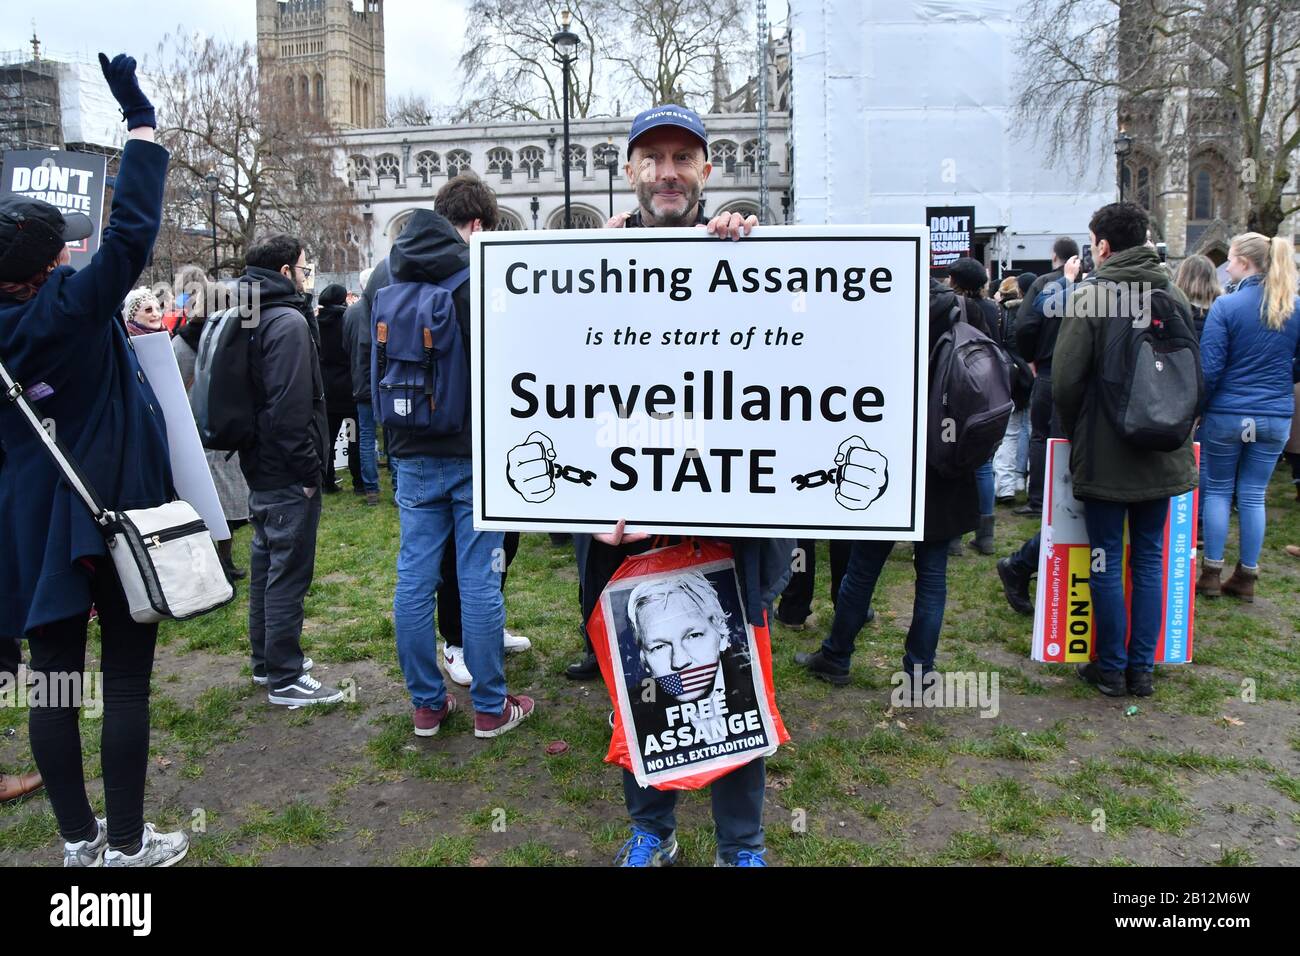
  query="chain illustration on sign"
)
[
  {"x": 860, "y": 475},
  {"x": 532, "y": 471}
]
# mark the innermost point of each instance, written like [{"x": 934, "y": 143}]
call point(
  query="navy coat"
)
[
  {"x": 1247, "y": 365},
  {"x": 69, "y": 339}
]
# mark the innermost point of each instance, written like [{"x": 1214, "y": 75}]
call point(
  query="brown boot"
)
[
  {"x": 1208, "y": 583},
  {"x": 1242, "y": 583}
]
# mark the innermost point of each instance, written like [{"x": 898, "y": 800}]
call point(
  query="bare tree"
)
[
  {"x": 1171, "y": 69},
  {"x": 508, "y": 69},
  {"x": 414, "y": 109},
  {"x": 274, "y": 158},
  {"x": 667, "y": 49}
]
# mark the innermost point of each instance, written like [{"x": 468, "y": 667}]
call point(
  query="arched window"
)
[
  {"x": 457, "y": 163},
  {"x": 743, "y": 206},
  {"x": 428, "y": 164},
  {"x": 1202, "y": 194},
  {"x": 304, "y": 93},
  {"x": 749, "y": 155},
  {"x": 722, "y": 154},
  {"x": 603, "y": 155},
  {"x": 288, "y": 91},
  {"x": 499, "y": 158},
  {"x": 359, "y": 168},
  {"x": 578, "y": 157},
  {"x": 509, "y": 222},
  {"x": 583, "y": 217},
  {"x": 367, "y": 110},
  {"x": 319, "y": 94},
  {"x": 387, "y": 165},
  {"x": 532, "y": 158}
]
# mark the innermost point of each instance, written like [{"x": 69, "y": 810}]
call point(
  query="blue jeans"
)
[
  {"x": 1233, "y": 464},
  {"x": 866, "y": 561},
  {"x": 366, "y": 439},
  {"x": 1011, "y": 460},
  {"x": 984, "y": 486},
  {"x": 1146, "y": 532},
  {"x": 737, "y": 808},
  {"x": 436, "y": 495}
]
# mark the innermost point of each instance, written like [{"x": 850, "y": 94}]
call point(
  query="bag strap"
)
[
  {"x": 13, "y": 393},
  {"x": 454, "y": 281}
]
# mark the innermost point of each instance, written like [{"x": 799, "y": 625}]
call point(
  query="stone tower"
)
[{"x": 328, "y": 55}]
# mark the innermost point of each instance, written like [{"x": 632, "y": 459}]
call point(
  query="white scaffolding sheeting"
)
[{"x": 902, "y": 106}]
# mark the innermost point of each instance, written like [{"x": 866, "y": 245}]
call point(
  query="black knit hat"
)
[
  {"x": 1025, "y": 280},
  {"x": 333, "y": 294}
]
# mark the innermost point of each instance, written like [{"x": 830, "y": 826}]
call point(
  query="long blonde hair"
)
[
  {"x": 1275, "y": 258},
  {"x": 1199, "y": 282}
]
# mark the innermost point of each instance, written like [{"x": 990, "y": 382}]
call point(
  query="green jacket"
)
[{"x": 1102, "y": 464}]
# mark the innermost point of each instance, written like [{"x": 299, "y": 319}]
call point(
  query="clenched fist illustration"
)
[
  {"x": 530, "y": 469},
  {"x": 863, "y": 474}
]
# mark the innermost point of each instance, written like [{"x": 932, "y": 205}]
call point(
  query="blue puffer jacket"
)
[{"x": 1247, "y": 366}]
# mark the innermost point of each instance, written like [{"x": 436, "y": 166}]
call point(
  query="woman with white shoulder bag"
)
[{"x": 86, "y": 495}]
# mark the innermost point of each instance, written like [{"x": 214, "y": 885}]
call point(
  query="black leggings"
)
[{"x": 126, "y": 664}]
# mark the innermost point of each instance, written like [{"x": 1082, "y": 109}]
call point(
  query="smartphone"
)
[
  {"x": 1162, "y": 250},
  {"x": 1086, "y": 258}
]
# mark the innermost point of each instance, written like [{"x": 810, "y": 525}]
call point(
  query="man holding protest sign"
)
[{"x": 667, "y": 168}]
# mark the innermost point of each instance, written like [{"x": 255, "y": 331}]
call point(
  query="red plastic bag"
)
[{"x": 689, "y": 677}]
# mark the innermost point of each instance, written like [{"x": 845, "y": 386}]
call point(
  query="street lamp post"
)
[
  {"x": 566, "y": 45},
  {"x": 611, "y": 161},
  {"x": 212, "y": 181},
  {"x": 534, "y": 206},
  {"x": 1123, "y": 146}
]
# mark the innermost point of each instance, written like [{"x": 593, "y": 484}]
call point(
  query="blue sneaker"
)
[
  {"x": 646, "y": 849},
  {"x": 743, "y": 858}
]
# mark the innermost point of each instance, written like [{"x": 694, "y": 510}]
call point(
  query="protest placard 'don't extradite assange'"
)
[{"x": 773, "y": 386}]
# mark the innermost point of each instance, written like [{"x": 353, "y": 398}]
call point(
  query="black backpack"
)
[
  {"x": 970, "y": 397},
  {"x": 221, "y": 397},
  {"x": 1148, "y": 381}
]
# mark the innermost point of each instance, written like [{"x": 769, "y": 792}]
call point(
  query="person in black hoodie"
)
[
  {"x": 951, "y": 510},
  {"x": 336, "y": 371},
  {"x": 435, "y": 497},
  {"x": 1035, "y": 340},
  {"x": 356, "y": 339},
  {"x": 283, "y": 468}
]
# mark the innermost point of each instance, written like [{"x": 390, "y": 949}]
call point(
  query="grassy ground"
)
[{"x": 1203, "y": 773}]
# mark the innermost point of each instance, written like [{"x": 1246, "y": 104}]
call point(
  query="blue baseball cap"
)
[{"x": 669, "y": 114}]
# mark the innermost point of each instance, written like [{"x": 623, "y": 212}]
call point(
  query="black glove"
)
[{"x": 136, "y": 108}]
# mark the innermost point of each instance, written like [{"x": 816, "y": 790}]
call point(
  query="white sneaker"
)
[
  {"x": 88, "y": 852},
  {"x": 453, "y": 662},
  {"x": 305, "y": 690},
  {"x": 307, "y": 664},
  {"x": 156, "y": 849},
  {"x": 516, "y": 643}
]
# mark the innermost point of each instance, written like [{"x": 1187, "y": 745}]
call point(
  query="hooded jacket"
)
[
  {"x": 334, "y": 365},
  {"x": 1102, "y": 464},
  {"x": 1035, "y": 332},
  {"x": 428, "y": 250},
  {"x": 356, "y": 341},
  {"x": 290, "y": 444}
]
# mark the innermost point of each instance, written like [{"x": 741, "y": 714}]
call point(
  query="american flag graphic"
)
[{"x": 690, "y": 681}]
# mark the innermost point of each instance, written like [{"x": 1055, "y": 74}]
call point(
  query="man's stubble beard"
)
[{"x": 645, "y": 195}]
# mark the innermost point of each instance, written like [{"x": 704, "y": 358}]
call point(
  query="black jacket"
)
[
  {"x": 334, "y": 365},
  {"x": 290, "y": 447},
  {"x": 1035, "y": 333},
  {"x": 428, "y": 250},
  {"x": 356, "y": 341},
  {"x": 951, "y": 504}
]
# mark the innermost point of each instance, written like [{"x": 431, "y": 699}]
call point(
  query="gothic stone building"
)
[
  {"x": 326, "y": 56},
  {"x": 397, "y": 170}
]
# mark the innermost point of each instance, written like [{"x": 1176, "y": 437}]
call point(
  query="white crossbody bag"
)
[{"x": 164, "y": 556}]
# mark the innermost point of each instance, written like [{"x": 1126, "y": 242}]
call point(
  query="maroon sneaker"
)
[
  {"x": 428, "y": 720},
  {"x": 511, "y": 716}
]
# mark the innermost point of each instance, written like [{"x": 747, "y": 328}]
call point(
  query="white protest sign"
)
[
  {"x": 772, "y": 386},
  {"x": 190, "y": 473}
]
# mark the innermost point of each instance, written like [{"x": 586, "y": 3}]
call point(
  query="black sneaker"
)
[
  {"x": 1016, "y": 587},
  {"x": 305, "y": 691},
  {"x": 1027, "y": 509},
  {"x": 822, "y": 668},
  {"x": 585, "y": 669},
  {"x": 1110, "y": 683},
  {"x": 1140, "y": 683}
]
